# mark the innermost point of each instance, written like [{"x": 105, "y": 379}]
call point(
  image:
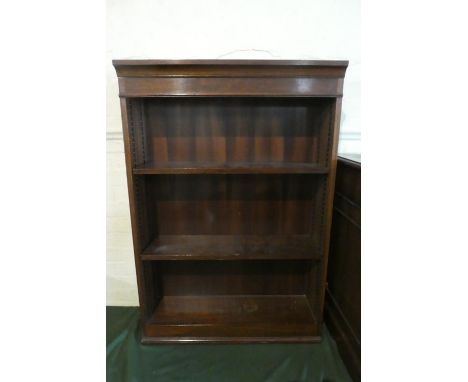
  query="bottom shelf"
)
[{"x": 231, "y": 319}]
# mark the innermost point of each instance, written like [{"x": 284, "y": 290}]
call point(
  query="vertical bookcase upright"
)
[{"x": 231, "y": 170}]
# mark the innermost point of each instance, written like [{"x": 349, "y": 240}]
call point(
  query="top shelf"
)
[{"x": 228, "y": 168}]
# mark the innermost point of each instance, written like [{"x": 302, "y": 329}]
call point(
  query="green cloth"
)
[{"x": 128, "y": 360}]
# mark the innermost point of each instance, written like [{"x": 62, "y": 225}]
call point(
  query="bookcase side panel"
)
[
  {"x": 328, "y": 204},
  {"x": 137, "y": 192}
]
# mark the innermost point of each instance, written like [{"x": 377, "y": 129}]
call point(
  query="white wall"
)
[{"x": 175, "y": 29}]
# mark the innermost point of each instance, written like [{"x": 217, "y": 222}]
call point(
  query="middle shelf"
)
[
  {"x": 232, "y": 247},
  {"x": 150, "y": 168}
]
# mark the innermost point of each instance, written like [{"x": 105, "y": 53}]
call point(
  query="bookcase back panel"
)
[
  {"x": 269, "y": 277},
  {"x": 236, "y": 204},
  {"x": 246, "y": 130}
]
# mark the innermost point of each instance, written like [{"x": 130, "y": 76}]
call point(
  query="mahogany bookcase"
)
[{"x": 231, "y": 170}]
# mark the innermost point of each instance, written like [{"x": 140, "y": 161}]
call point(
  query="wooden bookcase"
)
[{"x": 231, "y": 170}]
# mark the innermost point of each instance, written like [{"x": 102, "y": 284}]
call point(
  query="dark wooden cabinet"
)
[
  {"x": 343, "y": 297},
  {"x": 231, "y": 170}
]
